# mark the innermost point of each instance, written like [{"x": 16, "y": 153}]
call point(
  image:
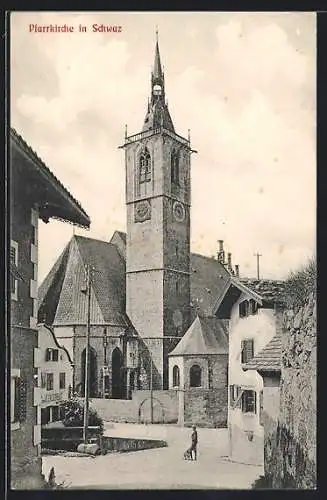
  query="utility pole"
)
[
  {"x": 151, "y": 391},
  {"x": 87, "y": 353},
  {"x": 258, "y": 255}
]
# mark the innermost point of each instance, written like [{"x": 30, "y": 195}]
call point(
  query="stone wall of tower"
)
[{"x": 158, "y": 251}]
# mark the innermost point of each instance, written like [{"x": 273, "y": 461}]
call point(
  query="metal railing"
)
[{"x": 149, "y": 133}]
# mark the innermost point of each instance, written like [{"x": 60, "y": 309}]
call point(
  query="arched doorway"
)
[
  {"x": 92, "y": 373},
  {"x": 117, "y": 375}
]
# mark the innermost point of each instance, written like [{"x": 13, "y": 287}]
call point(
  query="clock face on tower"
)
[
  {"x": 179, "y": 211},
  {"x": 142, "y": 211}
]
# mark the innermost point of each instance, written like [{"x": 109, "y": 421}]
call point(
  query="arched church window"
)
[
  {"x": 145, "y": 167},
  {"x": 175, "y": 167},
  {"x": 195, "y": 376},
  {"x": 176, "y": 379}
]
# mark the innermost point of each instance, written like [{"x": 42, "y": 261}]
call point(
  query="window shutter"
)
[
  {"x": 231, "y": 393},
  {"x": 43, "y": 380},
  {"x": 238, "y": 392},
  {"x": 261, "y": 408},
  {"x": 247, "y": 350},
  {"x": 242, "y": 351},
  {"x": 254, "y": 402},
  {"x": 47, "y": 354},
  {"x": 20, "y": 400}
]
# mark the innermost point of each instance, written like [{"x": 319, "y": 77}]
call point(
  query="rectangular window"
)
[
  {"x": 13, "y": 265},
  {"x": 62, "y": 380},
  {"x": 51, "y": 355},
  {"x": 244, "y": 309},
  {"x": 247, "y": 352},
  {"x": 49, "y": 381},
  {"x": 253, "y": 307},
  {"x": 249, "y": 402}
]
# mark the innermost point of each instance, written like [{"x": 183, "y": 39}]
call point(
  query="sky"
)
[{"x": 243, "y": 83}]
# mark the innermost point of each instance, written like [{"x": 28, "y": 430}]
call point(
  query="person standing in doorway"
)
[{"x": 194, "y": 438}]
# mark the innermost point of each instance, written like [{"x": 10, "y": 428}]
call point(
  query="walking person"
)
[{"x": 194, "y": 438}]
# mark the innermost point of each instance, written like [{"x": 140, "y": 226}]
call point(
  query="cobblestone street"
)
[{"x": 157, "y": 468}]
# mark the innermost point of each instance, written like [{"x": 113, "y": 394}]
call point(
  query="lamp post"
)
[
  {"x": 151, "y": 391},
  {"x": 87, "y": 353},
  {"x": 105, "y": 344}
]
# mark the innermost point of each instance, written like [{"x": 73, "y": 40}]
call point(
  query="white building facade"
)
[
  {"x": 54, "y": 375},
  {"x": 253, "y": 322}
]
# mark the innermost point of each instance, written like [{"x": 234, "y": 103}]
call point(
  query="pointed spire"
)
[{"x": 157, "y": 70}]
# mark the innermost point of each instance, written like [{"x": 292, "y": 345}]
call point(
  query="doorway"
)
[
  {"x": 92, "y": 373},
  {"x": 117, "y": 375}
]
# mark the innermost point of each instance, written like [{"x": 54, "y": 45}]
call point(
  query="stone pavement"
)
[{"x": 157, "y": 468}]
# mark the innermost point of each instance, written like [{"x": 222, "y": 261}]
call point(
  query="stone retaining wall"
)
[{"x": 290, "y": 442}]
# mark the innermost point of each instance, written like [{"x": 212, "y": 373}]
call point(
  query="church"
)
[{"x": 147, "y": 289}]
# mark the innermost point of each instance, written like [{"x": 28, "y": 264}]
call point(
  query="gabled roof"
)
[
  {"x": 206, "y": 336},
  {"x": 269, "y": 358},
  {"x": 60, "y": 299},
  {"x": 233, "y": 289},
  {"x": 52, "y": 197}
]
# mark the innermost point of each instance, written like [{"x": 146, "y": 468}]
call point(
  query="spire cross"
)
[{"x": 157, "y": 33}]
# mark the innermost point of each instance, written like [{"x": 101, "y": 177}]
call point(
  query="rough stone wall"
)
[
  {"x": 290, "y": 449},
  {"x": 24, "y": 454},
  {"x": 206, "y": 407}
]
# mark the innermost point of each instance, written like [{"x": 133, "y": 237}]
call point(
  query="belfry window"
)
[
  {"x": 175, "y": 167},
  {"x": 145, "y": 167}
]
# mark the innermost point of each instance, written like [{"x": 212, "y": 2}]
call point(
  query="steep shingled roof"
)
[
  {"x": 60, "y": 300},
  {"x": 206, "y": 336},
  {"x": 208, "y": 281},
  {"x": 65, "y": 304},
  {"x": 269, "y": 358}
]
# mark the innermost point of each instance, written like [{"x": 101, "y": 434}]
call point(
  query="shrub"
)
[
  {"x": 73, "y": 415},
  {"x": 261, "y": 483},
  {"x": 301, "y": 284}
]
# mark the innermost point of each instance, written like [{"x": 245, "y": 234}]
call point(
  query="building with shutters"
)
[
  {"x": 35, "y": 193},
  {"x": 254, "y": 311},
  {"x": 54, "y": 374}
]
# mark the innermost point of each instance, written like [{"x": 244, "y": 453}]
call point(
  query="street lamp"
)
[{"x": 105, "y": 366}]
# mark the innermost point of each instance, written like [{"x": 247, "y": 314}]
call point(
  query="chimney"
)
[
  {"x": 229, "y": 261},
  {"x": 221, "y": 253},
  {"x": 237, "y": 270}
]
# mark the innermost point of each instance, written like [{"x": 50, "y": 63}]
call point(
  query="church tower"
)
[{"x": 157, "y": 162}]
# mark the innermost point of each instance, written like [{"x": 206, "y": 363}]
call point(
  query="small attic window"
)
[
  {"x": 244, "y": 309},
  {"x": 253, "y": 307}
]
